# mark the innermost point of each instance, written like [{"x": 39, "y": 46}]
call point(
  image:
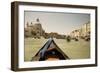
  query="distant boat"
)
[{"x": 50, "y": 51}]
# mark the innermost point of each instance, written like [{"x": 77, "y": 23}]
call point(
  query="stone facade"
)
[
  {"x": 34, "y": 30},
  {"x": 85, "y": 30},
  {"x": 75, "y": 33},
  {"x": 82, "y": 32}
]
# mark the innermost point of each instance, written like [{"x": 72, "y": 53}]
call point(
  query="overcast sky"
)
[{"x": 62, "y": 23}]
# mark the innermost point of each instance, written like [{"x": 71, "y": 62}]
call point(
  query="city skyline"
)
[{"x": 62, "y": 23}]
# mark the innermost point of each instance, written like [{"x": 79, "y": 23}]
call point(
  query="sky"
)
[{"x": 62, "y": 23}]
